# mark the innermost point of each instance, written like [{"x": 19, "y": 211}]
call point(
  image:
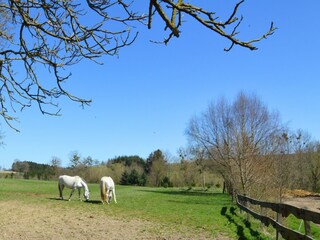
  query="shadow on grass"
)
[
  {"x": 187, "y": 192},
  {"x": 66, "y": 200},
  {"x": 93, "y": 202},
  {"x": 59, "y": 199},
  {"x": 192, "y": 197},
  {"x": 240, "y": 223}
]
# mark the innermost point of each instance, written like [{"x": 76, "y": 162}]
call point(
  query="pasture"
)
[{"x": 31, "y": 209}]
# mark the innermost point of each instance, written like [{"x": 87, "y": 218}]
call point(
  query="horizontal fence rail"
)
[{"x": 282, "y": 210}]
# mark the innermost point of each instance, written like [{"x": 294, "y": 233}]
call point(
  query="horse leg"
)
[
  {"x": 105, "y": 197},
  {"x": 71, "y": 193},
  {"x": 108, "y": 199},
  {"x": 110, "y": 196},
  {"x": 60, "y": 186},
  {"x": 79, "y": 192}
]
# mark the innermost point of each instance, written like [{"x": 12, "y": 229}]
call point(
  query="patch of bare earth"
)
[
  {"x": 30, "y": 222},
  {"x": 303, "y": 199}
]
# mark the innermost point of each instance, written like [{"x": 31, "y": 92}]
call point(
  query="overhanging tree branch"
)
[
  {"x": 205, "y": 18},
  {"x": 54, "y": 35}
]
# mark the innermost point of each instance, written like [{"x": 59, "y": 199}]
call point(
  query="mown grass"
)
[{"x": 201, "y": 211}]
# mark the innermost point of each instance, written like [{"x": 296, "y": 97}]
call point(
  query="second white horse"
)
[{"x": 107, "y": 189}]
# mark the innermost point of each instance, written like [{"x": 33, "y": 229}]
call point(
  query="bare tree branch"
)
[
  {"x": 205, "y": 18},
  {"x": 54, "y": 35}
]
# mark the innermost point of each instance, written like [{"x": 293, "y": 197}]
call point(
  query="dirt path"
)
[
  {"x": 303, "y": 199},
  {"x": 310, "y": 203},
  {"x": 32, "y": 222}
]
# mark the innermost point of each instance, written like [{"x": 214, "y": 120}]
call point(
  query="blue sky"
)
[{"x": 143, "y": 99}]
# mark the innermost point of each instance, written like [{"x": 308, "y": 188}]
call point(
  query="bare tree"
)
[
  {"x": 314, "y": 167},
  {"x": 280, "y": 167},
  {"x": 303, "y": 164},
  {"x": 55, "y": 162},
  {"x": 200, "y": 160},
  {"x": 53, "y": 35},
  {"x": 237, "y": 137},
  {"x": 299, "y": 142},
  {"x": 88, "y": 161}
]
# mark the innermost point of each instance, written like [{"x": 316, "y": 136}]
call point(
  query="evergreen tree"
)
[{"x": 124, "y": 178}]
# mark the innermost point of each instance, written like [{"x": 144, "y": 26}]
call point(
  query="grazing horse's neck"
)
[{"x": 84, "y": 185}]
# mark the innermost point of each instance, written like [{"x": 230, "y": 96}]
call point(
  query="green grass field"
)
[{"x": 210, "y": 212}]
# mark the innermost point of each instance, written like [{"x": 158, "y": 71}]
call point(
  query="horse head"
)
[
  {"x": 86, "y": 195},
  {"x": 110, "y": 196}
]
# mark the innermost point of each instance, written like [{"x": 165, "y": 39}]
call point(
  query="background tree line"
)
[
  {"x": 154, "y": 171},
  {"x": 30, "y": 169}
]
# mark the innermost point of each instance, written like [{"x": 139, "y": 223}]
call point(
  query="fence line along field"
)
[{"x": 31, "y": 209}]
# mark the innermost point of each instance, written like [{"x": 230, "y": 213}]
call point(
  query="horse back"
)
[
  {"x": 70, "y": 181},
  {"x": 108, "y": 182}
]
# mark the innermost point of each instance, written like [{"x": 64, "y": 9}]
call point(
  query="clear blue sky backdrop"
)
[{"x": 143, "y": 100}]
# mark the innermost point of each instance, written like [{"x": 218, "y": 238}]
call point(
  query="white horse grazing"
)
[
  {"x": 107, "y": 188},
  {"x": 74, "y": 183}
]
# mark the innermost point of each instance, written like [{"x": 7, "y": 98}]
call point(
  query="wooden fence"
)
[{"x": 282, "y": 210}]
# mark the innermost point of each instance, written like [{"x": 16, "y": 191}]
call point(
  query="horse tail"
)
[
  {"x": 114, "y": 194},
  {"x": 103, "y": 190}
]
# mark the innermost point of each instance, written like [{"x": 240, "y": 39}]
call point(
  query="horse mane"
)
[
  {"x": 83, "y": 180},
  {"x": 83, "y": 183},
  {"x": 103, "y": 191}
]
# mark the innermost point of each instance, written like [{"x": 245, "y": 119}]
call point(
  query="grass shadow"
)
[
  {"x": 186, "y": 192},
  {"x": 57, "y": 199},
  {"x": 240, "y": 223},
  {"x": 192, "y": 202},
  {"x": 192, "y": 197},
  {"x": 93, "y": 202},
  {"x": 67, "y": 200}
]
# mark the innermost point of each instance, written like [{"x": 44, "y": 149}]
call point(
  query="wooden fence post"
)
[
  {"x": 279, "y": 220},
  {"x": 262, "y": 213},
  {"x": 307, "y": 228}
]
